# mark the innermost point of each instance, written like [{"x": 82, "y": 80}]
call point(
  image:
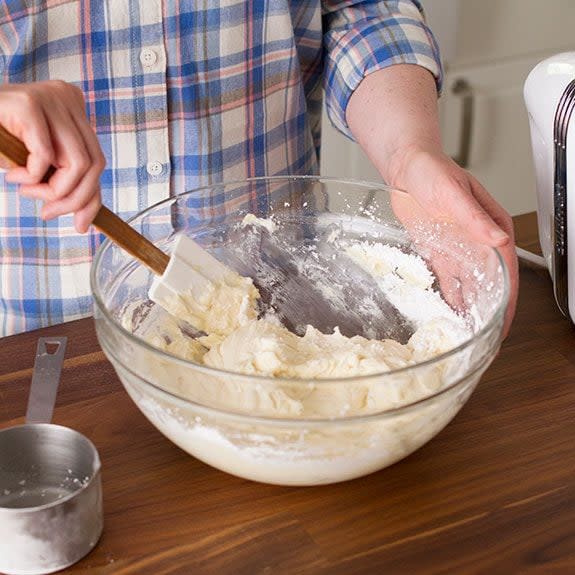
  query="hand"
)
[
  {"x": 50, "y": 118},
  {"x": 393, "y": 115},
  {"x": 447, "y": 192}
]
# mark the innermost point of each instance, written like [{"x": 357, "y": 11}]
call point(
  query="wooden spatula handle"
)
[
  {"x": 129, "y": 239},
  {"x": 14, "y": 153}
]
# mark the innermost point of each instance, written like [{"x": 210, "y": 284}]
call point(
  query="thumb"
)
[{"x": 458, "y": 201}]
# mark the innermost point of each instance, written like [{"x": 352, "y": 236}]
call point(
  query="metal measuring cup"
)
[{"x": 50, "y": 485}]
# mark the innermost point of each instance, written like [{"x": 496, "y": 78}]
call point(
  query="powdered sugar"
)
[{"x": 406, "y": 281}]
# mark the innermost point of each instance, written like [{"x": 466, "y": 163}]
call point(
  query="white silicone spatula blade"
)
[{"x": 190, "y": 269}]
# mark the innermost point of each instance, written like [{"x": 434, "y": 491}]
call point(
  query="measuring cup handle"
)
[{"x": 45, "y": 379}]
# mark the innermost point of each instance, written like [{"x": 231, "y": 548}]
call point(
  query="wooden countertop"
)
[{"x": 494, "y": 492}]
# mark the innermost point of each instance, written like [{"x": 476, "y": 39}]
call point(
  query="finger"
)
[
  {"x": 98, "y": 161},
  {"x": 470, "y": 214},
  {"x": 36, "y": 191},
  {"x": 78, "y": 199},
  {"x": 35, "y": 170},
  {"x": 34, "y": 132},
  {"x": 507, "y": 251},
  {"x": 510, "y": 258},
  {"x": 450, "y": 284},
  {"x": 87, "y": 196},
  {"x": 21, "y": 176},
  {"x": 84, "y": 217},
  {"x": 92, "y": 163},
  {"x": 42, "y": 154},
  {"x": 448, "y": 256},
  {"x": 73, "y": 159},
  {"x": 71, "y": 203},
  {"x": 448, "y": 193},
  {"x": 495, "y": 210},
  {"x": 85, "y": 200}
]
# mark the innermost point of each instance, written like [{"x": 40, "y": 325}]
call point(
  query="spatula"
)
[{"x": 190, "y": 267}]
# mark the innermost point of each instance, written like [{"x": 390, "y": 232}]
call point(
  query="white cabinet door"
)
[{"x": 472, "y": 32}]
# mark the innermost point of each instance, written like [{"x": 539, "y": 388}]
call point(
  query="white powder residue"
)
[
  {"x": 48, "y": 539},
  {"x": 266, "y": 223},
  {"x": 381, "y": 259},
  {"x": 406, "y": 281}
]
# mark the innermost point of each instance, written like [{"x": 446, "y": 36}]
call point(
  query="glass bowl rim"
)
[{"x": 264, "y": 379}]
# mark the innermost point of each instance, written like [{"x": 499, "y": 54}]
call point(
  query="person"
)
[{"x": 132, "y": 102}]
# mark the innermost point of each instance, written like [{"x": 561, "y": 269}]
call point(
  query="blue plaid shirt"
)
[{"x": 183, "y": 93}]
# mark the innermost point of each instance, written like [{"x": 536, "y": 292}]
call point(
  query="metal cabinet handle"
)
[{"x": 463, "y": 89}]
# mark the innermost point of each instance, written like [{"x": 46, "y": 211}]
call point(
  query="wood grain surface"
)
[{"x": 494, "y": 492}]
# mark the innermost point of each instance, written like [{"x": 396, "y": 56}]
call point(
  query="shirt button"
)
[
  {"x": 148, "y": 57},
  {"x": 155, "y": 168}
]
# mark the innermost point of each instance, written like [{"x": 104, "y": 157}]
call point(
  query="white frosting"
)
[
  {"x": 267, "y": 223},
  {"x": 238, "y": 341},
  {"x": 224, "y": 307}
]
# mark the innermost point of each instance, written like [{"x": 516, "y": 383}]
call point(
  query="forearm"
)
[{"x": 392, "y": 114}]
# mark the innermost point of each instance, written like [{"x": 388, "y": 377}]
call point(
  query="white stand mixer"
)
[{"x": 549, "y": 94}]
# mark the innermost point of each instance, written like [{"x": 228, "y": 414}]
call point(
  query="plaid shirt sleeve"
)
[{"x": 362, "y": 37}]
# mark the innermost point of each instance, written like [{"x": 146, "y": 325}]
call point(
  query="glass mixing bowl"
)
[{"x": 294, "y": 431}]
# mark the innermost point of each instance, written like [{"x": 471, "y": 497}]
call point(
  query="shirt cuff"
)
[{"x": 356, "y": 49}]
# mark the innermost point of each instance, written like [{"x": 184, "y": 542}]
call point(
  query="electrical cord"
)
[{"x": 531, "y": 257}]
